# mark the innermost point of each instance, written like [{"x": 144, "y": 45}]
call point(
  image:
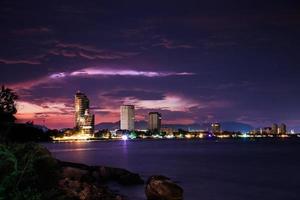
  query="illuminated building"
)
[
  {"x": 84, "y": 120},
  {"x": 216, "y": 127},
  {"x": 81, "y": 104},
  {"x": 154, "y": 123},
  {"x": 89, "y": 122},
  {"x": 274, "y": 129},
  {"x": 127, "y": 117},
  {"x": 282, "y": 129},
  {"x": 168, "y": 131}
]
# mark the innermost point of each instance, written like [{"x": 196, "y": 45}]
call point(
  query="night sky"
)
[{"x": 193, "y": 61}]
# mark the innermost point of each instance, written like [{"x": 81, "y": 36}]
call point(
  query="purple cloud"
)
[
  {"x": 123, "y": 72},
  {"x": 87, "y": 52},
  {"x": 31, "y": 31},
  {"x": 170, "y": 44},
  {"x": 19, "y": 61}
]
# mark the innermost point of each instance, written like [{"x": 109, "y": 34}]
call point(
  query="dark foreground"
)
[
  {"x": 29, "y": 172},
  {"x": 265, "y": 169}
]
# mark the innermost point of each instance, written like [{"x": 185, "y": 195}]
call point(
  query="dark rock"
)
[
  {"x": 75, "y": 189},
  {"x": 162, "y": 188},
  {"x": 73, "y": 173},
  {"x": 77, "y": 171},
  {"x": 79, "y": 181},
  {"x": 122, "y": 176},
  {"x": 130, "y": 179}
]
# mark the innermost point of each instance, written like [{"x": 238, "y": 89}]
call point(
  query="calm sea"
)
[{"x": 207, "y": 170}]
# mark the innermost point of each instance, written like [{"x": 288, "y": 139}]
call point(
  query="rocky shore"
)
[
  {"x": 29, "y": 171},
  {"x": 79, "y": 181},
  {"x": 84, "y": 182}
]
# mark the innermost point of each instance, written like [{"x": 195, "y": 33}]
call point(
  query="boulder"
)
[
  {"x": 122, "y": 176},
  {"x": 162, "y": 188},
  {"x": 130, "y": 179},
  {"x": 99, "y": 174},
  {"x": 73, "y": 173},
  {"x": 75, "y": 189}
]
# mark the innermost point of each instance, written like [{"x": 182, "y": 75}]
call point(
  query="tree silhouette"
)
[{"x": 7, "y": 105}]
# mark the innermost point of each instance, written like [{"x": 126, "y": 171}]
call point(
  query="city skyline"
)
[
  {"x": 193, "y": 62},
  {"x": 85, "y": 122}
]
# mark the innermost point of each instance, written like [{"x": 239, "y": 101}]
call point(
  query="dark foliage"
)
[
  {"x": 11, "y": 132},
  {"x": 23, "y": 133},
  {"x": 7, "y": 105},
  {"x": 27, "y": 171}
]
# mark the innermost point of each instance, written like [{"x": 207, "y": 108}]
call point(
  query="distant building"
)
[
  {"x": 216, "y": 127},
  {"x": 127, "y": 115},
  {"x": 274, "y": 129},
  {"x": 267, "y": 130},
  {"x": 84, "y": 120},
  {"x": 168, "y": 131},
  {"x": 154, "y": 122},
  {"x": 282, "y": 129}
]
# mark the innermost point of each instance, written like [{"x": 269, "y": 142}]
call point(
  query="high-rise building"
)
[
  {"x": 216, "y": 127},
  {"x": 274, "y": 128},
  {"x": 89, "y": 122},
  {"x": 84, "y": 120},
  {"x": 127, "y": 117},
  {"x": 154, "y": 122},
  {"x": 282, "y": 129},
  {"x": 81, "y": 104}
]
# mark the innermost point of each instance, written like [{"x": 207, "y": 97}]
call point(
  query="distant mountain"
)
[
  {"x": 116, "y": 125},
  {"x": 236, "y": 126},
  {"x": 141, "y": 125},
  {"x": 228, "y": 126},
  {"x": 194, "y": 126},
  {"x": 108, "y": 125}
]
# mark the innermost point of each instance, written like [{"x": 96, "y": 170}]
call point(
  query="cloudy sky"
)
[{"x": 194, "y": 61}]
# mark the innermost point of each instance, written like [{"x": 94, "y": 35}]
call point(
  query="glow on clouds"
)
[
  {"x": 93, "y": 72},
  {"x": 121, "y": 72},
  {"x": 170, "y": 102},
  {"x": 53, "y": 114},
  {"x": 47, "y": 107}
]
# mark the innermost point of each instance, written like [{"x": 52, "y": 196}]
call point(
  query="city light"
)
[
  {"x": 124, "y": 137},
  {"x": 169, "y": 136},
  {"x": 75, "y": 137},
  {"x": 244, "y": 135}
]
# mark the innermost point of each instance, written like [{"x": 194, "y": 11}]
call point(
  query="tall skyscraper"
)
[
  {"x": 81, "y": 104},
  {"x": 84, "y": 120},
  {"x": 274, "y": 129},
  {"x": 154, "y": 122},
  {"x": 282, "y": 129},
  {"x": 216, "y": 127},
  {"x": 127, "y": 117}
]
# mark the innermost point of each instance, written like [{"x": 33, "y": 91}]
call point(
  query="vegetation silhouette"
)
[
  {"x": 27, "y": 170},
  {"x": 7, "y": 105},
  {"x": 16, "y": 132}
]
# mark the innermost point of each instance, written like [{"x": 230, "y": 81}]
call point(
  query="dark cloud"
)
[
  {"x": 87, "y": 52},
  {"x": 136, "y": 93},
  {"x": 19, "y": 61},
  {"x": 31, "y": 31}
]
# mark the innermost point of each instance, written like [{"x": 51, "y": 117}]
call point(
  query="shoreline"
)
[{"x": 289, "y": 137}]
